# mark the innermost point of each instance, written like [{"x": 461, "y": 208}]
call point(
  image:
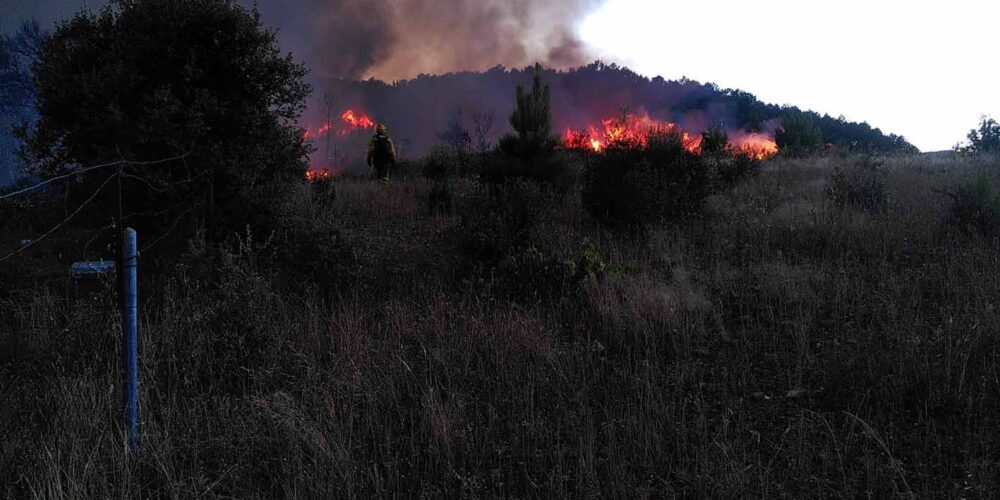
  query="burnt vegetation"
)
[{"x": 505, "y": 318}]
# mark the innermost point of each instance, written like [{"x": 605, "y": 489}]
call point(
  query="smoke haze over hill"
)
[{"x": 394, "y": 39}]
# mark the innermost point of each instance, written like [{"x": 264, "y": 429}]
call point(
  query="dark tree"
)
[
  {"x": 798, "y": 132},
  {"x": 482, "y": 123},
  {"x": 153, "y": 79},
  {"x": 17, "y": 92},
  {"x": 985, "y": 139},
  {"x": 531, "y": 151},
  {"x": 714, "y": 140},
  {"x": 455, "y": 134}
]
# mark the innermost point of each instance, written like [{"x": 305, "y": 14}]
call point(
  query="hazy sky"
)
[{"x": 923, "y": 69}]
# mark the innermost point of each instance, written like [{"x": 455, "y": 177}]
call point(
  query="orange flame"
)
[
  {"x": 351, "y": 121},
  {"x": 355, "y": 121},
  {"x": 757, "y": 145},
  {"x": 637, "y": 130},
  {"x": 628, "y": 129},
  {"x": 318, "y": 174}
]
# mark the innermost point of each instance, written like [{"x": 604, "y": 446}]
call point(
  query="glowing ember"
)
[{"x": 318, "y": 174}]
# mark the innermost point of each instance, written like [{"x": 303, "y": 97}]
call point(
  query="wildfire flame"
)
[
  {"x": 637, "y": 130},
  {"x": 351, "y": 121},
  {"x": 628, "y": 129},
  {"x": 757, "y": 145},
  {"x": 356, "y": 121}
]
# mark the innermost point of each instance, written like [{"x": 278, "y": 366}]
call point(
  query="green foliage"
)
[
  {"x": 985, "y": 139},
  {"x": 861, "y": 185},
  {"x": 532, "y": 152},
  {"x": 975, "y": 207},
  {"x": 154, "y": 79},
  {"x": 798, "y": 133},
  {"x": 631, "y": 186}
]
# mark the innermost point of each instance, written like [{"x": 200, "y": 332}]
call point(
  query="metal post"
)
[{"x": 130, "y": 341}]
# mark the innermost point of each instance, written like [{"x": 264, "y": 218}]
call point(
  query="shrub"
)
[
  {"x": 728, "y": 170},
  {"x": 446, "y": 161},
  {"x": 861, "y": 186},
  {"x": 441, "y": 198},
  {"x": 975, "y": 207},
  {"x": 630, "y": 185},
  {"x": 498, "y": 221}
]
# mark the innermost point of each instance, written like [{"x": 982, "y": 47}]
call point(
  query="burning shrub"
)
[
  {"x": 861, "y": 186},
  {"x": 975, "y": 207},
  {"x": 630, "y": 185}
]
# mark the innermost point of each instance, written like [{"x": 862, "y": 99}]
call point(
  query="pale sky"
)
[{"x": 924, "y": 69}]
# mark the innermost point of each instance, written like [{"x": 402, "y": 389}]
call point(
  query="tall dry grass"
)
[{"x": 775, "y": 346}]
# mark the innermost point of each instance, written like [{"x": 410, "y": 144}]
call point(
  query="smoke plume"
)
[{"x": 396, "y": 39}]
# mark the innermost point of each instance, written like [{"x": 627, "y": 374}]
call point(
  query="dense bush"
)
[
  {"x": 861, "y": 185},
  {"x": 448, "y": 161},
  {"x": 629, "y": 185},
  {"x": 975, "y": 207},
  {"x": 731, "y": 168},
  {"x": 498, "y": 221}
]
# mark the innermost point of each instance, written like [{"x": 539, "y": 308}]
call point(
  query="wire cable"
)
[
  {"x": 64, "y": 221},
  {"x": 122, "y": 162}
]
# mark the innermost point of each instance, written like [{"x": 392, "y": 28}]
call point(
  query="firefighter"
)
[{"x": 381, "y": 153}]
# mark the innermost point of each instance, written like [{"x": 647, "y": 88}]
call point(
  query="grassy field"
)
[{"x": 777, "y": 345}]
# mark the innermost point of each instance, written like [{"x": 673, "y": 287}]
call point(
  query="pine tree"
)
[{"x": 532, "y": 151}]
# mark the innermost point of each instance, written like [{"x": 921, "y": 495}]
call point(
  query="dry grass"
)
[{"x": 776, "y": 346}]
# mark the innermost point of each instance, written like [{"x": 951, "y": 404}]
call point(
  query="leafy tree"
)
[
  {"x": 798, "y": 132},
  {"x": 152, "y": 79},
  {"x": 985, "y": 139}
]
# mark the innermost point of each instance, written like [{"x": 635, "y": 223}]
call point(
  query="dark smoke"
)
[{"x": 396, "y": 39}]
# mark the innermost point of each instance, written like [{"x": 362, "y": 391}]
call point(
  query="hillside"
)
[{"x": 419, "y": 110}]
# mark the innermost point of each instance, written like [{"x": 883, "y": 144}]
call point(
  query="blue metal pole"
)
[{"x": 130, "y": 340}]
